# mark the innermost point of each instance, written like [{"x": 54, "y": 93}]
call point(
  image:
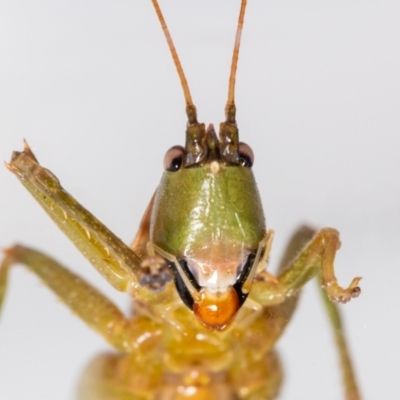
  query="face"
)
[{"x": 207, "y": 213}]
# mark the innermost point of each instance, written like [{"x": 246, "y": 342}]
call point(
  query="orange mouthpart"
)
[{"x": 216, "y": 310}]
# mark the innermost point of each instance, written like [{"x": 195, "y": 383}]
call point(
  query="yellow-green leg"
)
[
  {"x": 297, "y": 267},
  {"x": 348, "y": 375},
  {"x": 105, "y": 251},
  {"x": 316, "y": 258},
  {"x": 83, "y": 299}
]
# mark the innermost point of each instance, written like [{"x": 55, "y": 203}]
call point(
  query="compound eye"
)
[
  {"x": 173, "y": 158},
  {"x": 246, "y": 155}
]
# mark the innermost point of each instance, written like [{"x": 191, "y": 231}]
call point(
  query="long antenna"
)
[
  {"x": 190, "y": 107},
  {"x": 230, "y": 109}
]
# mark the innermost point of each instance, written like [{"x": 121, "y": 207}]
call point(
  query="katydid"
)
[{"x": 206, "y": 313}]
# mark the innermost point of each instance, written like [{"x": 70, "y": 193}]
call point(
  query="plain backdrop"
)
[{"x": 92, "y": 87}]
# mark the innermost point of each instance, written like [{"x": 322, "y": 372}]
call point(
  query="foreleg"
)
[{"x": 82, "y": 298}]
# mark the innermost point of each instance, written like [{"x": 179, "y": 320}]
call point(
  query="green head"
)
[{"x": 207, "y": 213}]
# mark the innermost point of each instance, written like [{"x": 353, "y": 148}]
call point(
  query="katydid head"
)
[{"x": 207, "y": 218}]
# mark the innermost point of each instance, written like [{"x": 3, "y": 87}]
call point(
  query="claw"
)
[{"x": 340, "y": 295}]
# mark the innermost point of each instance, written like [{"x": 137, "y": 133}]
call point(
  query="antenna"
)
[
  {"x": 228, "y": 130},
  {"x": 230, "y": 109},
  {"x": 190, "y": 107}
]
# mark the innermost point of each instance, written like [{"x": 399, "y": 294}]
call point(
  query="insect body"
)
[{"x": 206, "y": 311}]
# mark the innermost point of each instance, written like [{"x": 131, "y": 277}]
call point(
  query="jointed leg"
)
[
  {"x": 348, "y": 375},
  {"x": 106, "y": 252},
  {"x": 316, "y": 258},
  {"x": 84, "y": 300}
]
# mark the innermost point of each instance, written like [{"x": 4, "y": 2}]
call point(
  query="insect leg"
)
[
  {"x": 282, "y": 312},
  {"x": 316, "y": 258},
  {"x": 106, "y": 252},
  {"x": 348, "y": 375},
  {"x": 83, "y": 299}
]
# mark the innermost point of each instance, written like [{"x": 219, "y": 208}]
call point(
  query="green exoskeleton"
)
[{"x": 206, "y": 312}]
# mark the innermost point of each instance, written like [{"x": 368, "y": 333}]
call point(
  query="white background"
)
[{"x": 91, "y": 86}]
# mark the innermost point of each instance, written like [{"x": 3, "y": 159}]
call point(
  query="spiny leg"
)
[
  {"x": 83, "y": 299},
  {"x": 315, "y": 259},
  {"x": 106, "y": 252}
]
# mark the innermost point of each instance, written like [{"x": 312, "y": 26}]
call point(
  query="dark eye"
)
[
  {"x": 173, "y": 158},
  {"x": 246, "y": 155}
]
